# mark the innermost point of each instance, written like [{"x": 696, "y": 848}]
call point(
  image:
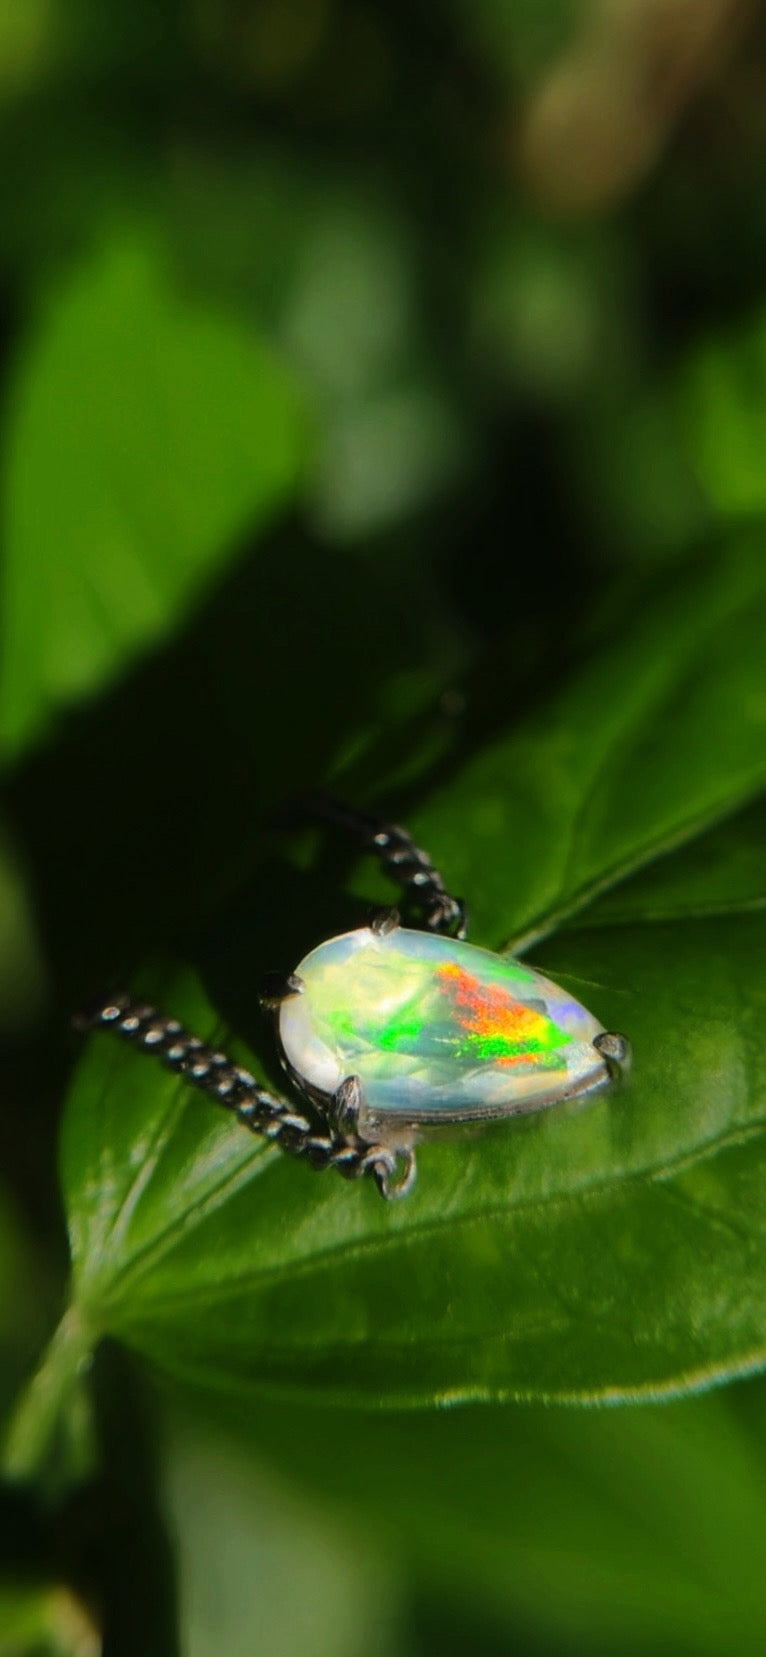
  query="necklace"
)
[{"x": 390, "y": 1031}]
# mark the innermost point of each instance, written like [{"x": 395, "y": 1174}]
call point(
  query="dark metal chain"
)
[
  {"x": 275, "y": 1119},
  {"x": 234, "y": 1088},
  {"x": 401, "y": 858}
]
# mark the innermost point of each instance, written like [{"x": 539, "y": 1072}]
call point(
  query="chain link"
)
[
  {"x": 401, "y": 858},
  {"x": 393, "y": 1169},
  {"x": 412, "y": 868},
  {"x": 229, "y": 1085}
]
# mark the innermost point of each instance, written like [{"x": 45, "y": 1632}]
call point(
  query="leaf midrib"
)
[
  {"x": 619, "y": 872},
  {"x": 723, "y": 910},
  {"x": 363, "y": 1247}
]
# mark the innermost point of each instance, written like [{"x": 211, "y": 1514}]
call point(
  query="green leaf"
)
[
  {"x": 26, "y": 1297},
  {"x": 244, "y": 1541},
  {"x": 147, "y": 433},
  {"x": 660, "y": 734},
  {"x": 721, "y": 873},
  {"x": 46, "y": 1621},
  {"x": 721, "y": 399},
  {"x": 570, "y": 1527},
  {"x": 580, "y": 1253}
]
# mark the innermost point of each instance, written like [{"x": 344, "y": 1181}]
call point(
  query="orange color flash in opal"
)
[{"x": 499, "y": 1027}]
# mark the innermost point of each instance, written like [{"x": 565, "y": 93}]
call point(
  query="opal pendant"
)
[
  {"x": 435, "y": 1030},
  {"x": 387, "y": 1032}
]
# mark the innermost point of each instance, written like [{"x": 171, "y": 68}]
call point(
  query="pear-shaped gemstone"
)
[{"x": 435, "y": 1029}]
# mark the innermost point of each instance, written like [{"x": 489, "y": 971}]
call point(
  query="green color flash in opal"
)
[{"x": 435, "y": 1027}]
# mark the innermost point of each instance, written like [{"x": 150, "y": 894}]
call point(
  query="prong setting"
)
[
  {"x": 384, "y": 921},
  {"x": 392, "y": 1184},
  {"x": 366, "y": 1122},
  {"x": 277, "y": 987},
  {"x": 615, "y": 1050},
  {"x": 406, "y": 862},
  {"x": 345, "y": 1105}
]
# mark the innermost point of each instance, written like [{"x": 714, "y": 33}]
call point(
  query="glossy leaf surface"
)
[
  {"x": 607, "y": 1251},
  {"x": 721, "y": 873},
  {"x": 659, "y": 734},
  {"x": 580, "y": 1253}
]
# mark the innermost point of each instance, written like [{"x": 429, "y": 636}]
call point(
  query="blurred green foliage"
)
[
  {"x": 384, "y": 401},
  {"x": 112, "y": 518}
]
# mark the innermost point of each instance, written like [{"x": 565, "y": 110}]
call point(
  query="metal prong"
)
[
  {"x": 277, "y": 987},
  {"x": 343, "y": 1111},
  {"x": 392, "y": 1185},
  {"x": 616, "y": 1052},
  {"x": 384, "y": 921}
]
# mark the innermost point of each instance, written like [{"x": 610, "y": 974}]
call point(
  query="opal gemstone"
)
[{"x": 435, "y": 1028}]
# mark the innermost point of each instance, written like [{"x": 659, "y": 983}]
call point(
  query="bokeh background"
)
[{"x": 355, "y": 355}]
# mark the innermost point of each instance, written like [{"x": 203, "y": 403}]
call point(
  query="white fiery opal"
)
[{"x": 435, "y": 1029}]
